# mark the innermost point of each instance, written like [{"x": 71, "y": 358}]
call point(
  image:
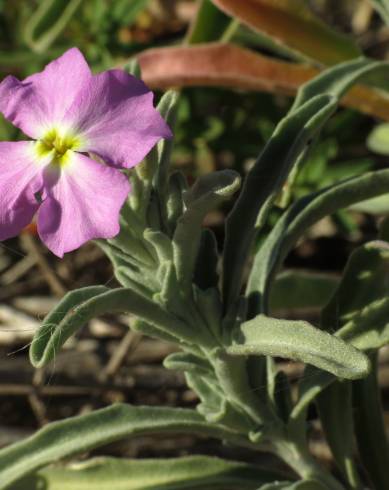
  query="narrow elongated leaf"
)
[
  {"x": 359, "y": 308},
  {"x": 360, "y": 304},
  {"x": 232, "y": 376},
  {"x": 336, "y": 416},
  {"x": 227, "y": 65},
  {"x": 167, "y": 107},
  {"x": 209, "y": 24},
  {"x": 266, "y": 178},
  {"x": 208, "y": 192},
  {"x": 369, "y": 329},
  {"x": 294, "y": 26},
  {"x": 311, "y": 384},
  {"x": 337, "y": 80},
  {"x": 298, "y": 340},
  {"x": 79, "y": 434},
  {"x": 294, "y": 223},
  {"x": 365, "y": 280},
  {"x": 188, "y": 473},
  {"x": 58, "y": 327},
  {"x": 370, "y": 428},
  {"x": 377, "y": 206},
  {"x": 177, "y": 185},
  {"x": 185, "y": 361},
  {"x": 287, "y": 145}
]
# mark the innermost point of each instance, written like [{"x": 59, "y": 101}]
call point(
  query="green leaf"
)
[
  {"x": 68, "y": 303},
  {"x": 359, "y": 309},
  {"x": 311, "y": 384},
  {"x": 187, "y": 473},
  {"x": 48, "y": 21},
  {"x": 376, "y": 206},
  {"x": 207, "y": 192},
  {"x": 79, "y": 434},
  {"x": 167, "y": 107},
  {"x": 364, "y": 280},
  {"x": 298, "y": 340},
  {"x": 175, "y": 206},
  {"x": 336, "y": 416},
  {"x": 336, "y": 81},
  {"x": 332, "y": 82},
  {"x": 370, "y": 428},
  {"x": 314, "y": 104},
  {"x": 294, "y": 223},
  {"x": 151, "y": 331},
  {"x": 69, "y": 316},
  {"x": 295, "y": 289},
  {"x": 233, "y": 378},
  {"x": 264, "y": 181},
  {"x": 185, "y": 361},
  {"x": 208, "y": 25},
  {"x": 282, "y": 396},
  {"x": 360, "y": 305},
  {"x": 378, "y": 139},
  {"x": 214, "y": 405}
]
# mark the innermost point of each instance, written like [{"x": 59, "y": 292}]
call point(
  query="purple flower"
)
[{"x": 71, "y": 114}]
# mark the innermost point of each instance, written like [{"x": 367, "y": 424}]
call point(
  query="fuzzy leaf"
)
[
  {"x": 185, "y": 361},
  {"x": 311, "y": 384},
  {"x": 167, "y": 107},
  {"x": 360, "y": 305},
  {"x": 336, "y": 415},
  {"x": 314, "y": 104},
  {"x": 187, "y": 473},
  {"x": 294, "y": 223},
  {"x": 68, "y": 317},
  {"x": 207, "y": 192},
  {"x": 298, "y": 340},
  {"x": 266, "y": 178},
  {"x": 79, "y": 434},
  {"x": 370, "y": 428}
]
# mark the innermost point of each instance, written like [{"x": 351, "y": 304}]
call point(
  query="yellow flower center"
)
[{"x": 55, "y": 145}]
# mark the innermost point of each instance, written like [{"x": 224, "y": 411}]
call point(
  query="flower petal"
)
[
  {"x": 20, "y": 179},
  {"x": 114, "y": 113},
  {"x": 84, "y": 203},
  {"x": 41, "y": 100}
]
